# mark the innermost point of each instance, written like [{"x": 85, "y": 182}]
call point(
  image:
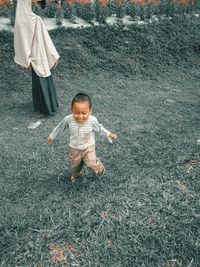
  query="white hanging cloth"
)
[{"x": 32, "y": 42}]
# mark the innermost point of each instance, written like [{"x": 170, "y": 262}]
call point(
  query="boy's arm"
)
[
  {"x": 57, "y": 132},
  {"x": 103, "y": 131}
]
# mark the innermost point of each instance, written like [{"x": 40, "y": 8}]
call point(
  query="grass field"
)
[{"x": 145, "y": 211}]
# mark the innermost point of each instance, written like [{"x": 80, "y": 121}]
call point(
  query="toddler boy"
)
[{"x": 82, "y": 126}]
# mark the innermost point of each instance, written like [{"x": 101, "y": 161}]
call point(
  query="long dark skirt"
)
[{"x": 44, "y": 94}]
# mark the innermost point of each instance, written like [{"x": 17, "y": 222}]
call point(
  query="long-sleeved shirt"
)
[{"x": 81, "y": 135}]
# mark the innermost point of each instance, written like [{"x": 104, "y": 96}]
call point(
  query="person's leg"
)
[
  {"x": 44, "y": 94},
  {"x": 35, "y": 91},
  {"x": 76, "y": 162},
  {"x": 91, "y": 161}
]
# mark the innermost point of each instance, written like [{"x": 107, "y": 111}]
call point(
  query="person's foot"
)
[
  {"x": 73, "y": 179},
  {"x": 101, "y": 170},
  {"x": 81, "y": 174}
]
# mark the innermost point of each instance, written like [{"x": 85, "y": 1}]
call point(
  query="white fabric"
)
[{"x": 32, "y": 42}]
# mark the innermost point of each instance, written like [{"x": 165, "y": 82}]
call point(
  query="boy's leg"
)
[
  {"x": 91, "y": 161},
  {"x": 75, "y": 157}
]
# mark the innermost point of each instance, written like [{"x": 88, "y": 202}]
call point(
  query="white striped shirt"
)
[{"x": 81, "y": 135}]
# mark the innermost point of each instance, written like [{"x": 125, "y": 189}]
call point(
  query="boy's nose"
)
[{"x": 80, "y": 117}]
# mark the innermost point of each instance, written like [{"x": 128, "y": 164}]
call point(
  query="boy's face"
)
[{"x": 81, "y": 111}]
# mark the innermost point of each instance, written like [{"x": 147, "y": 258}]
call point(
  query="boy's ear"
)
[{"x": 91, "y": 110}]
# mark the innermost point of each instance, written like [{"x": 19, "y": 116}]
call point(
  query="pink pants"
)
[{"x": 87, "y": 157}]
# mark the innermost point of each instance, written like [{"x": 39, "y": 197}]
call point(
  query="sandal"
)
[
  {"x": 81, "y": 174},
  {"x": 73, "y": 179},
  {"x": 101, "y": 170}
]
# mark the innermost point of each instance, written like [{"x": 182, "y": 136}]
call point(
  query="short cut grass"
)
[{"x": 81, "y": 98}]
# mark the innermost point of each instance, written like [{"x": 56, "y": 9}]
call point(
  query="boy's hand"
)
[
  {"x": 113, "y": 136},
  {"x": 49, "y": 140}
]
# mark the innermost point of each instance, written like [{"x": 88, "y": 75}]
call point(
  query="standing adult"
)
[{"x": 34, "y": 51}]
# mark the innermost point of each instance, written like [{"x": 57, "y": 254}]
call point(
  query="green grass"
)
[{"x": 144, "y": 84}]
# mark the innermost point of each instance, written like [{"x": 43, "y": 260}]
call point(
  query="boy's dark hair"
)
[{"x": 81, "y": 97}]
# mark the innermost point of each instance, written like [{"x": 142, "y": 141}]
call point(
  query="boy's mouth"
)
[{"x": 80, "y": 120}]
